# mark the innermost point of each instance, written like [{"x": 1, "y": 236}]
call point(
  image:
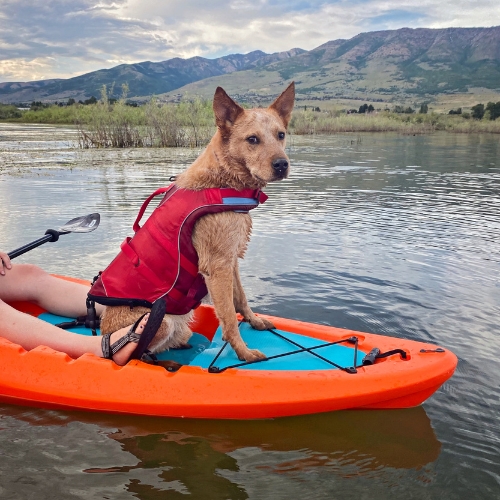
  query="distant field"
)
[{"x": 190, "y": 122}]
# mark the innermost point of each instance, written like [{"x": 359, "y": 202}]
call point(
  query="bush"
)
[{"x": 8, "y": 112}]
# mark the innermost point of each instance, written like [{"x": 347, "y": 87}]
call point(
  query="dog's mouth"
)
[
  {"x": 260, "y": 180},
  {"x": 280, "y": 177},
  {"x": 276, "y": 175}
]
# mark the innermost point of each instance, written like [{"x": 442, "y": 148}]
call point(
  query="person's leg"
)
[
  {"x": 58, "y": 296},
  {"x": 30, "y": 332}
]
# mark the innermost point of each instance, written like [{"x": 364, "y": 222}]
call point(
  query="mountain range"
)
[{"x": 379, "y": 66}]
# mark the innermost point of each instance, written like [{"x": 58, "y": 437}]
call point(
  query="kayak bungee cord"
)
[{"x": 369, "y": 359}]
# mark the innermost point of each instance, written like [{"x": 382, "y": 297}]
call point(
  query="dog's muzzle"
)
[{"x": 280, "y": 167}]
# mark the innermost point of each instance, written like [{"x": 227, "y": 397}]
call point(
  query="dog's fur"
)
[{"x": 240, "y": 155}]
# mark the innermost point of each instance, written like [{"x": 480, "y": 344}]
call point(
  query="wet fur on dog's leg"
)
[
  {"x": 219, "y": 239},
  {"x": 241, "y": 304}
]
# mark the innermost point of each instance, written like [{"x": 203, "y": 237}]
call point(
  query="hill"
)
[
  {"x": 146, "y": 78},
  {"x": 405, "y": 64},
  {"x": 386, "y": 66}
]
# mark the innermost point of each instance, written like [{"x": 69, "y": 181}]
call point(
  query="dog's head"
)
[{"x": 253, "y": 140}]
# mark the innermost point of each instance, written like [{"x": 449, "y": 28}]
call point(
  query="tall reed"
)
[
  {"x": 187, "y": 124},
  {"x": 312, "y": 122}
]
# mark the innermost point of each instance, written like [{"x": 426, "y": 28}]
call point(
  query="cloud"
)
[{"x": 60, "y": 38}]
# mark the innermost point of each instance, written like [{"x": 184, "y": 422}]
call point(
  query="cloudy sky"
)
[{"x": 42, "y": 39}]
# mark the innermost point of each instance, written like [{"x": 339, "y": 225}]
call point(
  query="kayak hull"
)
[{"x": 46, "y": 378}]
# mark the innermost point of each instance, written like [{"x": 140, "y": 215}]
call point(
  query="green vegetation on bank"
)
[
  {"x": 117, "y": 123},
  {"x": 401, "y": 120}
]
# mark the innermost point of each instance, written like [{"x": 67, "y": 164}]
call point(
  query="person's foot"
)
[{"x": 122, "y": 357}]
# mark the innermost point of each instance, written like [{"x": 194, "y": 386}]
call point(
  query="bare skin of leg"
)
[{"x": 27, "y": 282}]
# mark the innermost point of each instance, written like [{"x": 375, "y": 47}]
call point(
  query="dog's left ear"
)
[{"x": 283, "y": 105}]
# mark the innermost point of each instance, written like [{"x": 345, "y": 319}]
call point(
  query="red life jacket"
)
[{"x": 160, "y": 260}]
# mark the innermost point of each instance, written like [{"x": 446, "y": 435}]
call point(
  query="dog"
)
[{"x": 246, "y": 152}]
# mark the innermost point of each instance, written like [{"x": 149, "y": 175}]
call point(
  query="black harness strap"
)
[{"x": 90, "y": 320}]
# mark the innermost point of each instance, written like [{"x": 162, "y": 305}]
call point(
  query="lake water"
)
[{"x": 398, "y": 235}]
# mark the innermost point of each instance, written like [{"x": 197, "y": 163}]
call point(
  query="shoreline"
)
[{"x": 125, "y": 127}]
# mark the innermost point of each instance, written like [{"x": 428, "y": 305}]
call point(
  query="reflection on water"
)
[
  {"x": 387, "y": 234},
  {"x": 214, "y": 459}
]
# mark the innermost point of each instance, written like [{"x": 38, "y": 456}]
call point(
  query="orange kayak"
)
[{"x": 310, "y": 369}]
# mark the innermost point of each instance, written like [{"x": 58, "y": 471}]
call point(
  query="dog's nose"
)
[{"x": 280, "y": 166}]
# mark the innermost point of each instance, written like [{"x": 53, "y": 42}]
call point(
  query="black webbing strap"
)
[{"x": 90, "y": 320}]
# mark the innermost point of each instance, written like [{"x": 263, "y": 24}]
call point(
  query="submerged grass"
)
[{"x": 191, "y": 124}]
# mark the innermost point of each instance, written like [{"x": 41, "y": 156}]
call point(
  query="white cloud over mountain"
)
[{"x": 60, "y": 39}]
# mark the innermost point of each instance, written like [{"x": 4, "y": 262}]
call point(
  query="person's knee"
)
[
  {"x": 30, "y": 279},
  {"x": 29, "y": 272}
]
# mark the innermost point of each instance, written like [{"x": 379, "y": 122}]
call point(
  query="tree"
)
[
  {"x": 370, "y": 109},
  {"x": 92, "y": 100},
  {"x": 70, "y": 102},
  {"x": 363, "y": 108},
  {"x": 478, "y": 111},
  {"x": 424, "y": 108},
  {"x": 494, "y": 109}
]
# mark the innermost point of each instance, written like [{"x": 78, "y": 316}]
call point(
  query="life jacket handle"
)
[{"x": 159, "y": 191}]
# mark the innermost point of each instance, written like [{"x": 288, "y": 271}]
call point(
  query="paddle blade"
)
[{"x": 84, "y": 224}]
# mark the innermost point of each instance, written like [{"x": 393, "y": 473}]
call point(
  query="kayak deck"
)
[
  {"x": 296, "y": 384},
  {"x": 284, "y": 350}
]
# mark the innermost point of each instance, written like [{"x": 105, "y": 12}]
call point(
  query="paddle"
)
[{"x": 84, "y": 224}]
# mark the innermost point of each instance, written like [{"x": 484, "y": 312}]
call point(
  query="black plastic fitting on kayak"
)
[
  {"x": 54, "y": 234},
  {"x": 369, "y": 359}
]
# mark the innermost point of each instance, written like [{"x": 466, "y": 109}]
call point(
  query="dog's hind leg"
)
[{"x": 174, "y": 331}]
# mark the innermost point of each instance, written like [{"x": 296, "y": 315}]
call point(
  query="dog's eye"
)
[
  {"x": 253, "y": 140},
  {"x": 281, "y": 135}
]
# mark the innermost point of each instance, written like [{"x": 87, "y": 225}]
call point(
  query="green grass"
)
[
  {"x": 310, "y": 122},
  {"x": 191, "y": 123}
]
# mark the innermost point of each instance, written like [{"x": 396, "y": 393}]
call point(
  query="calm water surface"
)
[{"x": 378, "y": 233}]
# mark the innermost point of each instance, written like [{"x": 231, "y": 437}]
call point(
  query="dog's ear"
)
[
  {"x": 283, "y": 105},
  {"x": 225, "y": 109}
]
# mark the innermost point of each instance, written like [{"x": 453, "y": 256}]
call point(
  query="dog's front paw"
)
[
  {"x": 260, "y": 323},
  {"x": 250, "y": 355}
]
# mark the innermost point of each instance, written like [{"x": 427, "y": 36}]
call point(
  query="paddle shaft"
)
[{"x": 51, "y": 235}]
